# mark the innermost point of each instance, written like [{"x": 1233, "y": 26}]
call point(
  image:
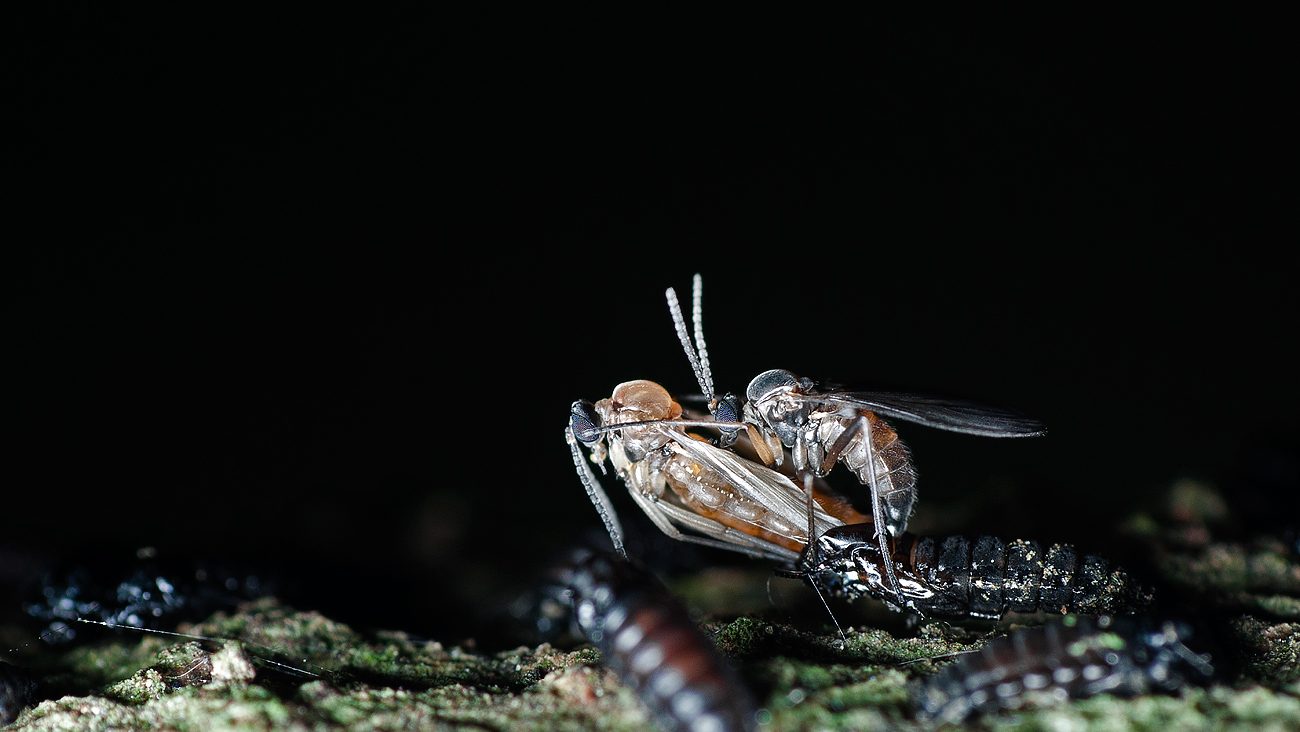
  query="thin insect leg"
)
[
  {"x": 596, "y": 493},
  {"x": 842, "y": 443},
  {"x": 877, "y": 510},
  {"x": 812, "y": 542},
  {"x": 760, "y": 446},
  {"x": 812, "y": 519},
  {"x": 826, "y": 605},
  {"x": 863, "y": 425}
]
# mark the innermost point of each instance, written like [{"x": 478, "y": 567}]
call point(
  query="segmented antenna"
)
[
  {"x": 596, "y": 493},
  {"x": 704, "y": 379},
  {"x": 697, "y": 319}
]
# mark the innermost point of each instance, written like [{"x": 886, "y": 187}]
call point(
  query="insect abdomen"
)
[
  {"x": 894, "y": 473},
  {"x": 708, "y": 494},
  {"x": 1071, "y": 658},
  {"x": 648, "y": 639},
  {"x": 987, "y": 578}
]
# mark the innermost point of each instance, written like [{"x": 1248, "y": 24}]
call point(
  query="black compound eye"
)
[
  {"x": 583, "y": 422},
  {"x": 727, "y": 409}
]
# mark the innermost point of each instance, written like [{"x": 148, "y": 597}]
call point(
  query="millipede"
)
[
  {"x": 17, "y": 691},
  {"x": 1070, "y": 658},
  {"x": 960, "y": 577},
  {"x": 647, "y": 638}
]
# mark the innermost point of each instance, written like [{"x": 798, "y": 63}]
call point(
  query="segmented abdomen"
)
[
  {"x": 894, "y": 473},
  {"x": 1070, "y": 658},
  {"x": 984, "y": 578},
  {"x": 648, "y": 639},
  {"x": 707, "y": 493}
]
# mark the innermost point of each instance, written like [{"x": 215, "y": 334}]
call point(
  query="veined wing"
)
[
  {"x": 758, "y": 483},
  {"x": 952, "y": 415}
]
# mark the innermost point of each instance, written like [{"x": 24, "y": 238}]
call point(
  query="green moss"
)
[
  {"x": 1232, "y": 568},
  {"x": 146, "y": 685},
  {"x": 103, "y": 663},
  {"x": 1278, "y": 606},
  {"x": 1269, "y": 653},
  {"x": 1218, "y": 708},
  {"x": 748, "y": 637},
  {"x": 805, "y": 675}
]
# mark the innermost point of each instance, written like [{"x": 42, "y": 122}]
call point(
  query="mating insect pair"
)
[{"x": 756, "y": 488}]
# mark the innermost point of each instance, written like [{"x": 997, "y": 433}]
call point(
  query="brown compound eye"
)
[{"x": 647, "y": 399}]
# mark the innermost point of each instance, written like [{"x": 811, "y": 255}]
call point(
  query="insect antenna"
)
[
  {"x": 697, "y": 320},
  {"x": 702, "y": 376},
  {"x": 596, "y": 493}
]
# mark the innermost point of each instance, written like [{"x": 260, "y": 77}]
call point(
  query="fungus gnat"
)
[
  {"x": 684, "y": 482},
  {"x": 825, "y": 427}
]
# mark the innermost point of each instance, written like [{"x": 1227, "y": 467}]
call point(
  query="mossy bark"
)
[{"x": 298, "y": 670}]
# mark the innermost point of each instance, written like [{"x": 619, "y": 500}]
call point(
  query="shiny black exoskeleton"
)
[
  {"x": 958, "y": 577},
  {"x": 1071, "y": 658},
  {"x": 647, "y": 637}
]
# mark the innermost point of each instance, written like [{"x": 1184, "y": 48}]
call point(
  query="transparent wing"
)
[
  {"x": 760, "y": 484},
  {"x": 945, "y": 414}
]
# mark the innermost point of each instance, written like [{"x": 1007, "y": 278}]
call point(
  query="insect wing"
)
[
  {"x": 951, "y": 415},
  {"x": 764, "y": 486}
]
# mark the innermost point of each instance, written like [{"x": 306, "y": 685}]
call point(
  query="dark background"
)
[{"x": 314, "y": 292}]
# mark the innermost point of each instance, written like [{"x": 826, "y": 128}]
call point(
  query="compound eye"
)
[
  {"x": 584, "y": 423},
  {"x": 727, "y": 409},
  {"x": 768, "y": 382}
]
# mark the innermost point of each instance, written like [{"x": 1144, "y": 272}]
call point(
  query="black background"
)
[{"x": 314, "y": 291}]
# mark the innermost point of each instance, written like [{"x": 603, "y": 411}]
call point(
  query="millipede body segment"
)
[
  {"x": 959, "y": 577},
  {"x": 648, "y": 638},
  {"x": 1073, "y": 657}
]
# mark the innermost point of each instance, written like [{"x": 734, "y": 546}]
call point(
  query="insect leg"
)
[
  {"x": 596, "y": 493},
  {"x": 812, "y": 543},
  {"x": 760, "y": 446},
  {"x": 877, "y": 511}
]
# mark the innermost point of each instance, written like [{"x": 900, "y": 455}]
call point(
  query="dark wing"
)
[{"x": 945, "y": 414}]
